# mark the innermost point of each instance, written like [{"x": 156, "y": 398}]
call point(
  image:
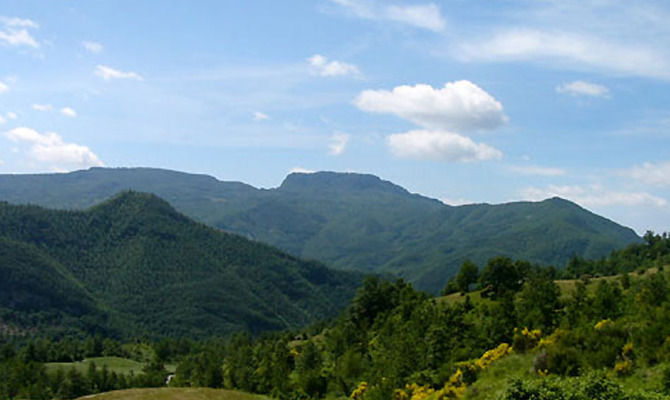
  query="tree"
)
[
  {"x": 536, "y": 304},
  {"x": 500, "y": 277},
  {"x": 468, "y": 275}
]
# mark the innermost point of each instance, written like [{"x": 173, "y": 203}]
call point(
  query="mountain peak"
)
[
  {"x": 134, "y": 203},
  {"x": 338, "y": 181}
]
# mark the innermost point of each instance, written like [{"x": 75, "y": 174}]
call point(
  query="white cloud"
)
[
  {"x": 536, "y": 170},
  {"x": 427, "y": 16},
  {"x": 15, "y": 32},
  {"x": 322, "y": 67},
  {"x": 657, "y": 174},
  {"x": 49, "y": 149},
  {"x": 566, "y": 49},
  {"x": 18, "y": 22},
  {"x": 424, "y": 16},
  {"x": 300, "y": 170},
  {"x": 3, "y": 88},
  {"x": 440, "y": 146},
  {"x": 582, "y": 88},
  {"x": 593, "y": 196},
  {"x": 92, "y": 47},
  {"x": 338, "y": 143},
  {"x": 455, "y": 202},
  {"x": 259, "y": 116},
  {"x": 42, "y": 107},
  {"x": 68, "y": 112},
  {"x": 12, "y": 115},
  {"x": 20, "y": 37},
  {"x": 458, "y": 106},
  {"x": 108, "y": 73},
  {"x": 2, "y": 120}
]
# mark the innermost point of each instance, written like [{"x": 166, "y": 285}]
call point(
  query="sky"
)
[{"x": 465, "y": 101}]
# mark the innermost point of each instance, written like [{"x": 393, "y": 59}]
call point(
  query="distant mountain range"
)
[
  {"x": 349, "y": 221},
  {"x": 133, "y": 266}
]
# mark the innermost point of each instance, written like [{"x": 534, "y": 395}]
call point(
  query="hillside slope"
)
[
  {"x": 350, "y": 221},
  {"x": 160, "y": 273},
  {"x": 37, "y": 292}
]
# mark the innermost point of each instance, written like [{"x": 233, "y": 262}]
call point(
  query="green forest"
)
[
  {"x": 132, "y": 266},
  {"x": 597, "y": 329},
  {"x": 348, "y": 221}
]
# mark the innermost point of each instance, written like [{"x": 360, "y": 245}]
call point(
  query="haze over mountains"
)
[
  {"x": 133, "y": 266},
  {"x": 349, "y": 221}
]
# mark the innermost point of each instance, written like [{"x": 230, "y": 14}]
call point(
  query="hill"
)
[
  {"x": 177, "y": 394},
  {"x": 156, "y": 272},
  {"x": 350, "y": 221}
]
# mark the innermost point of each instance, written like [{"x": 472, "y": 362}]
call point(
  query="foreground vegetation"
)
[{"x": 524, "y": 337}]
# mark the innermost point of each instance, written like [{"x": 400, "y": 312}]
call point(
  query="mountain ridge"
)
[
  {"x": 154, "y": 271},
  {"x": 348, "y": 220}
]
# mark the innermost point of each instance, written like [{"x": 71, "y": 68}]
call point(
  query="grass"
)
[
  {"x": 176, "y": 394},
  {"x": 492, "y": 381},
  {"x": 114, "y": 364},
  {"x": 567, "y": 286}
]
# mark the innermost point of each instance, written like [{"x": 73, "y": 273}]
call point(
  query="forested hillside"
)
[
  {"x": 134, "y": 266},
  {"x": 349, "y": 221},
  {"x": 514, "y": 333}
]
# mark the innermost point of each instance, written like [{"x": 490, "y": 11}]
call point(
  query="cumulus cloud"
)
[
  {"x": 92, "y": 47},
  {"x": 15, "y": 32},
  {"x": 458, "y": 106},
  {"x": 568, "y": 50},
  {"x": 3, "y": 87},
  {"x": 425, "y": 16},
  {"x": 440, "y": 146},
  {"x": 259, "y": 116},
  {"x": 12, "y": 115},
  {"x": 338, "y": 143},
  {"x": 2, "y": 120},
  {"x": 108, "y": 73},
  {"x": 42, "y": 107},
  {"x": 51, "y": 150},
  {"x": 582, "y": 88},
  {"x": 536, "y": 170},
  {"x": 657, "y": 174},
  {"x": 321, "y": 66},
  {"x": 593, "y": 196},
  {"x": 68, "y": 112}
]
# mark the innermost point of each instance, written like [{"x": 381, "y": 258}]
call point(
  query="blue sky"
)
[{"x": 464, "y": 101}]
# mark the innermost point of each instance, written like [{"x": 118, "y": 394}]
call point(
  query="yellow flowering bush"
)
[
  {"x": 419, "y": 392},
  {"x": 492, "y": 355},
  {"x": 526, "y": 339},
  {"x": 605, "y": 323},
  {"x": 399, "y": 394},
  {"x": 623, "y": 367},
  {"x": 627, "y": 351},
  {"x": 359, "y": 391}
]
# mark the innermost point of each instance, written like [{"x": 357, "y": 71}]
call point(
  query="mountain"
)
[
  {"x": 37, "y": 292},
  {"x": 349, "y": 221},
  {"x": 138, "y": 267}
]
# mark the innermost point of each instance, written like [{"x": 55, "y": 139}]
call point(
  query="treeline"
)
[{"x": 394, "y": 342}]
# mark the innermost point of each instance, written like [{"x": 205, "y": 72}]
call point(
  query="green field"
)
[
  {"x": 114, "y": 364},
  {"x": 567, "y": 286},
  {"x": 176, "y": 394},
  {"x": 493, "y": 381}
]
